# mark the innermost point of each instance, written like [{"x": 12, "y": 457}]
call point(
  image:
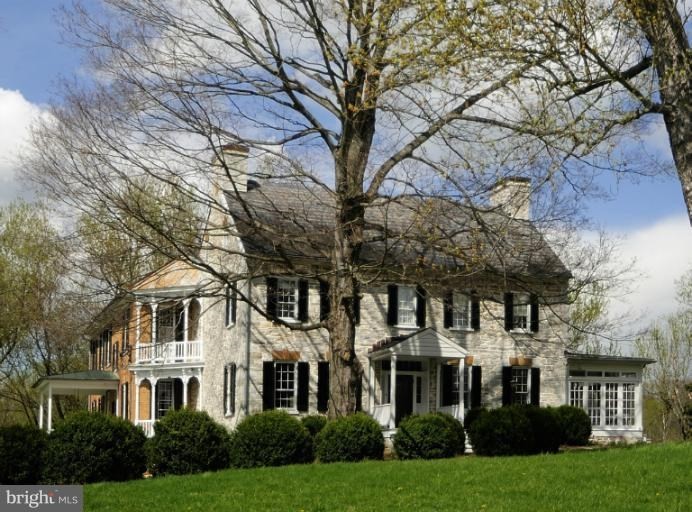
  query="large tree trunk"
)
[{"x": 665, "y": 32}]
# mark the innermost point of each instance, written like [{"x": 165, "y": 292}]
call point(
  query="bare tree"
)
[{"x": 367, "y": 108}]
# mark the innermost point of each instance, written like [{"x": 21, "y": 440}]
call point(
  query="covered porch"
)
[
  {"x": 83, "y": 384},
  {"x": 417, "y": 373}
]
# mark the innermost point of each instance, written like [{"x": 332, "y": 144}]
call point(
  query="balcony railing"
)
[
  {"x": 170, "y": 352},
  {"x": 147, "y": 426}
]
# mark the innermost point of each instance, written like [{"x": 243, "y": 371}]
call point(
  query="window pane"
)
[
  {"x": 407, "y": 306},
  {"x": 455, "y": 384},
  {"x": 520, "y": 386},
  {"x": 284, "y": 380},
  {"x": 576, "y": 394},
  {"x": 286, "y": 299},
  {"x": 611, "y": 403},
  {"x": 628, "y": 404},
  {"x": 593, "y": 403},
  {"x": 460, "y": 312},
  {"x": 520, "y": 311}
]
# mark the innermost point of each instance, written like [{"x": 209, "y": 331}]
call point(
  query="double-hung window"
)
[
  {"x": 521, "y": 312},
  {"x": 285, "y": 385},
  {"x": 520, "y": 386},
  {"x": 461, "y": 311},
  {"x": 407, "y": 306},
  {"x": 287, "y": 299}
]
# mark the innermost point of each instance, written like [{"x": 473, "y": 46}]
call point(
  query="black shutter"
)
[
  {"x": 535, "y": 386},
  {"x": 272, "y": 285},
  {"x": 534, "y": 313},
  {"x": 393, "y": 304},
  {"x": 448, "y": 307},
  {"x": 506, "y": 385},
  {"x": 232, "y": 389},
  {"x": 476, "y": 384},
  {"x": 225, "y": 389},
  {"x": 325, "y": 305},
  {"x": 509, "y": 311},
  {"x": 359, "y": 395},
  {"x": 447, "y": 383},
  {"x": 267, "y": 385},
  {"x": 475, "y": 313},
  {"x": 303, "y": 386},
  {"x": 177, "y": 394},
  {"x": 322, "y": 386},
  {"x": 356, "y": 308},
  {"x": 420, "y": 306},
  {"x": 303, "y": 295}
]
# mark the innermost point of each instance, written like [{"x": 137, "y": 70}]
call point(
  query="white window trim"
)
[
  {"x": 467, "y": 298},
  {"x": 527, "y": 298},
  {"x": 294, "y": 408},
  {"x": 294, "y": 283},
  {"x": 400, "y": 325},
  {"x": 528, "y": 384}
]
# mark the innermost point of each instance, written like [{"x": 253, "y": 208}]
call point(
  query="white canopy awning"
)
[{"x": 423, "y": 343}]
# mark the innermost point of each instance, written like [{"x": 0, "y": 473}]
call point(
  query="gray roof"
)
[
  {"x": 576, "y": 356},
  {"x": 296, "y": 222}
]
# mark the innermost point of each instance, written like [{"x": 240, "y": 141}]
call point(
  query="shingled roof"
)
[{"x": 296, "y": 222}]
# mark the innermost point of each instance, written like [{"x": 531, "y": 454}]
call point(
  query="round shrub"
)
[
  {"x": 314, "y": 423},
  {"x": 503, "y": 431},
  {"x": 271, "y": 438},
  {"x": 458, "y": 429},
  {"x": 575, "y": 425},
  {"x": 21, "y": 454},
  {"x": 94, "y": 447},
  {"x": 350, "y": 439},
  {"x": 545, "y": 429},
  {"x": 472, "y": 415},
  {"x": 426, "y": 436},
  {"x": 185, "y": 442}
]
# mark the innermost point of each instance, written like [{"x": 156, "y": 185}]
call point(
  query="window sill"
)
[
  {"x": 406, "y": 327},
  {"x": 292, "y": 412},
  {"x": 520, "y": 331},
  {"x": 462, "y": 329},
  {"x": 228, "y": 326}
]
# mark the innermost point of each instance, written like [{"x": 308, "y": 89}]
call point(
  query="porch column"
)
[
  {"x": 186, "y": 320},
  {"x": 50, "y": 408},
  {"x": 154, "y": 306},
  {"x": 138, "y": 323},
  {"x": 186, "y": 380},
  {"x": 40, "y": 411},
  {"x": 371, "y": 386},
  {"x": 152, "y": 414},
  {"x": 462, "y": 369},
  {"x": 138, "y": 383},
  {"x": 392, "y": 393}
]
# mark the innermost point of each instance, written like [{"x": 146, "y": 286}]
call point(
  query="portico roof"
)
[
  {"x": 425, "y": 342},
  {"x": 88, "y": 382}
]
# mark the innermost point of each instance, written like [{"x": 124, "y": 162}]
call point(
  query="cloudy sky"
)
[{"x": 649, "y": 216}]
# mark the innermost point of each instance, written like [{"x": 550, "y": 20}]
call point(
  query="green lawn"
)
[{"x": 654, "y": 477}]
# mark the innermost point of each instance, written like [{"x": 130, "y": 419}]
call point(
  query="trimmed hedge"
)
[
  {"x": 22, "y": 450},
  {"x": 545, "y": 428},
  {"x": 472, "y": 415},
  {"x": 458, "y": 429},
  {"x": 314, "y": 423},
  {"x": 575, "y": 425},
  {"x": 270, "y": 438},
  {"x": 427, "y": 436},
  {"x": 502, "y": 431},
  {"x": 349, "y": 439},
  {"x": 186, "y": 442},
  {"x": 94, "y": 447}
]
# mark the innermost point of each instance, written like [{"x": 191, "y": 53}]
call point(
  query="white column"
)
[
  {"x": 154, "y": 307},
  {"x": 152, "y": 414},
  {"x": 200, "y": 403},
  {"x": 462, "y": 369},
  {"x": 392, "y": 393},
  {"x": 138, "y": 323},
  {"x": 186, "y": 321},
  {"x": 40, "y": 411},
  {"x": 50, "y": 408},
  {"x": 371, "y": 386},
  {"x": 138, "y": 382},
  {"x": 186, "y": 380}
]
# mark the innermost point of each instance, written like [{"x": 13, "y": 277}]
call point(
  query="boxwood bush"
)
[
  {"x": 22, "y": 449},
  {"x": 427, "y": 436},
  {"x": 314, "y": 423},
  {"x": 94, "y": 447},
  {"x": 349, "y": 439},
  {"x": 575, "y": 425},
  {"x": 458, "y": 429},
  {"x": 270, "y": 438},
  {"x": 545, "y": 429},
  {"x": 472, "y": 415},
  {"x": 186, "y": 442},
  {"x": 503, "y": 431}
]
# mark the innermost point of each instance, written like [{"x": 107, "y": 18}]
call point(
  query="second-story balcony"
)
[{"x": 169, "y": 352}]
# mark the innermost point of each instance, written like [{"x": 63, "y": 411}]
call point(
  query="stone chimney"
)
[
  {"x": 233, "y": 170},
  {"x": 512, "y": 196}
]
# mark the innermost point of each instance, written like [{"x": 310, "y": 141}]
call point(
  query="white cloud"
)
[
  {"x": 16, "y": 116},
  {"x": 663, "y": 252}
]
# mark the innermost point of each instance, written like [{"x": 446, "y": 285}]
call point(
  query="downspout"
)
[{"x": 248, "y": 332}]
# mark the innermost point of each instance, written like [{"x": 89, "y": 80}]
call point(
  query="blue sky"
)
[{"x": 650, "y": 215}]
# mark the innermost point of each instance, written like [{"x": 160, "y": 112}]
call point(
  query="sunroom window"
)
[{"x": 606, "y": 396}]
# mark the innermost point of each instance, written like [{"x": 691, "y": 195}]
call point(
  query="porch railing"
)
[
  {"x": 147, "y": 426},
  {"x": 170, "y": 352}
]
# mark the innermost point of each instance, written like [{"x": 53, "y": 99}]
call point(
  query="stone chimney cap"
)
[{"x": 235, "y": 148}]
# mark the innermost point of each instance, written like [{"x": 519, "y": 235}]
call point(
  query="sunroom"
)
[{"x": 418, "y": 373}]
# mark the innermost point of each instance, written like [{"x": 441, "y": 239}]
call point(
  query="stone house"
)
[{"x": 436, "y": 335}]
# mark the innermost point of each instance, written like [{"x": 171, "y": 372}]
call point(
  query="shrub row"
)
[
  {"x": 523, "y": 430},
  {"x": 429, "y": 436}
]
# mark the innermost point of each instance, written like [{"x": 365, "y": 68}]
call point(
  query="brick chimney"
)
[
  {"x": 235, "y": 170},
  {"x": 512, "y": 195}
]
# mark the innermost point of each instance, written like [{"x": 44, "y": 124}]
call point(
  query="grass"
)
[{"x": 651, "y": 477}]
